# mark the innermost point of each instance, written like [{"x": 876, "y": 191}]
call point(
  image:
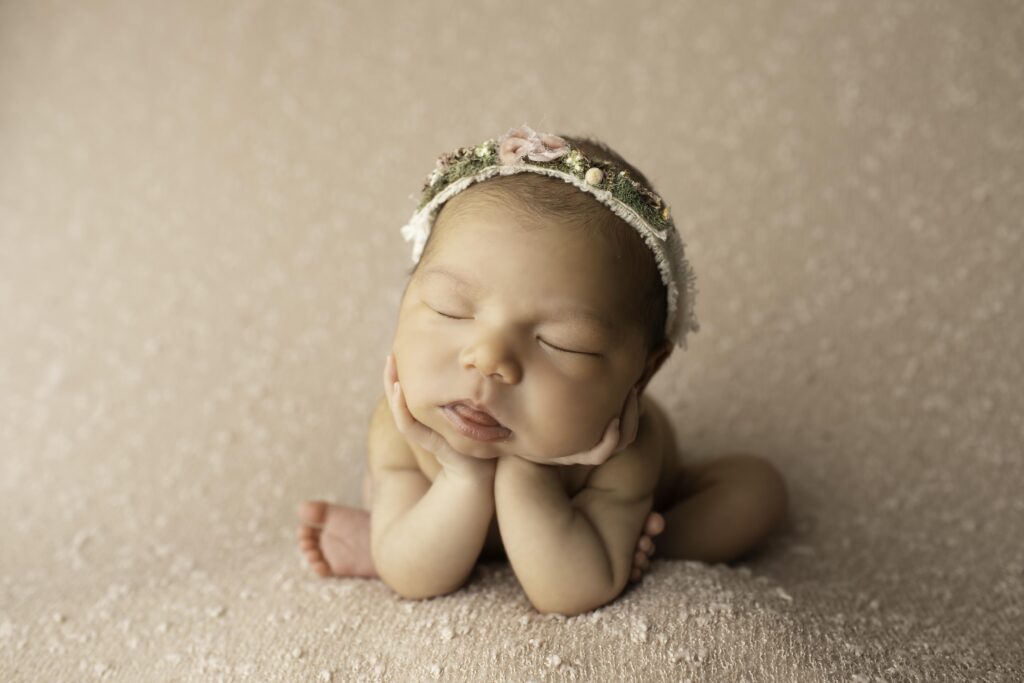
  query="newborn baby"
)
[{"x": 514, "y": 423}]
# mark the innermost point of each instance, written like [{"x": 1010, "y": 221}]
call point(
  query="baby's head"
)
[{"x": 537, "y": 302}]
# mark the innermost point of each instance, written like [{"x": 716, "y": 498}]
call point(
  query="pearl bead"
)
[{"x": 594, "y": 175}]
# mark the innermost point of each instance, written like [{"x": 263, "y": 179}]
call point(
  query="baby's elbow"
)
[
  {"x": 416, "y": 588},
  {"x": 587, "y": 592},
  {"x": 412, "y": 581},
  {"x": 569, "y": 609},
  {"x": 571, "y": 605}
]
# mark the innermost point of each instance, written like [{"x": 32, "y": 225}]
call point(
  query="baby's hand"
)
[
  {"x": 453, "y": 462},
  {"x": 613, "y": 441}
]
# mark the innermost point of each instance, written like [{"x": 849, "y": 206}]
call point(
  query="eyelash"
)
[{"x": 577, "y": 353}]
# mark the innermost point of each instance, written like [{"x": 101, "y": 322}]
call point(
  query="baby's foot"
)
[
  {"x": 342, "y": 546},
  {"x": 654, "y": 525}
]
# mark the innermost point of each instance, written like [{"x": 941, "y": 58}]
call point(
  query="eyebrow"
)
[{"x": 563, "y": 313}]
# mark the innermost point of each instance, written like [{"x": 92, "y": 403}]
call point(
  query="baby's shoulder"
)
[{"x": 634, "y": 471}]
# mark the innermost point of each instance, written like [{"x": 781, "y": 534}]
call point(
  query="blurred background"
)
[{"x": 200, "y": 266}]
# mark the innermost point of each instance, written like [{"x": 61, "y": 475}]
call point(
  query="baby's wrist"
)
[
  {"x": 471, "y": 474},
  {"x": 516, "y": 466}
]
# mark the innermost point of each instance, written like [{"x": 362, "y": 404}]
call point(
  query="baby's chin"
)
[
  {"x": 485, "y": 450},
  {"x": 494, "y": 449}
]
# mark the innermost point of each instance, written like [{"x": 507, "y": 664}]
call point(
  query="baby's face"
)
[{"x": 512, "y": 320}]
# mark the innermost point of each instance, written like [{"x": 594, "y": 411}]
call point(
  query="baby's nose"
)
[{"x": 493, "y": 359}]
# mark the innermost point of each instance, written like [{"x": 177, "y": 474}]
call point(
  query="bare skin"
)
[
  {"x": 483, "y": 320},
  {"x": 719, "y": 511},
  {"x": 708, "y": 526},
  {"x": 336, "y": 539}
]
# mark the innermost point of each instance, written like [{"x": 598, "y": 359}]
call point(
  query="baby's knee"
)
[{"x": 759, "y": 487}]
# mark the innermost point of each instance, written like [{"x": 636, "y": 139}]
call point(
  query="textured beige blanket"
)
[{"x": 200, "y": 265}]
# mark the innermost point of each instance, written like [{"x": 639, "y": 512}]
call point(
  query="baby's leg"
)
[
  {"x": 336, "y": 538},
  {"x": 721, "y": 509}
]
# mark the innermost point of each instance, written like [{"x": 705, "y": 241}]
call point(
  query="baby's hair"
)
[{"x": 553, "y": 198}]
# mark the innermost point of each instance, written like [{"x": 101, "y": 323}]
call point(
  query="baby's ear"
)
[{"x": 655, "y": 359}]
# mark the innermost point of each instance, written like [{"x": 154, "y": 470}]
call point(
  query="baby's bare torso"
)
[{"x": 654, "y": 438}]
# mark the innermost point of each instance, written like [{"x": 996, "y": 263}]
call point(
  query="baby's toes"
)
[
  {"x": 654, "y": 525},
  {"x": 320, "y": 568},
  {"x": 309, "y": 538},
  {"x": 313, "y": 512},
  {"x": 309, "y": 543},
  {"x": 641, "y": 560},
  {"x": 317, "y": 562},
  {"x": 646, "y": 544},
  {"x": 640, "y": 563}
]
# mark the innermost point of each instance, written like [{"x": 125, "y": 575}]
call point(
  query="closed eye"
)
[
  {"x": 546, "y": 343},
  {"x": 452, "y": 317},
  {"x": 558, "y": 348}
]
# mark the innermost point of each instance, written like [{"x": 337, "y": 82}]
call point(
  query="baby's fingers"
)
[
  {"x": 630, "y": 420},
  {"x": 390, "y": 375},
  {"x": 400, "y": 409},
  {"x": 412, "y": 428},
  {"x": 599, "y": 453},
  {"x": 596, "y": 455}
]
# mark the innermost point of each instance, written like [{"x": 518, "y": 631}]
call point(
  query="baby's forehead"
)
[{"x": 553, "y": 255}]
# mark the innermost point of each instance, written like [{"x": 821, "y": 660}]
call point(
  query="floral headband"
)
[{"x": 524, "y": 150}]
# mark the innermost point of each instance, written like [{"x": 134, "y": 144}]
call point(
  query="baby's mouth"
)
[
  {"x": 474, "y": 423},
  {"x": 480, "y": 417}
]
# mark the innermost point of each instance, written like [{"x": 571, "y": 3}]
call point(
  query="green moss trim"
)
[{"x": 467, "y": 161}]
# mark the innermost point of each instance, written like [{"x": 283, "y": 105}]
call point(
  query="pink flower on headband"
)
[{"x": 525, "y": 142}]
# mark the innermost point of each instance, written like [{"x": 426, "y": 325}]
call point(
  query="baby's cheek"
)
[
  {"x": 421, "y": 385},
  {"x": 568, "y": 423}
]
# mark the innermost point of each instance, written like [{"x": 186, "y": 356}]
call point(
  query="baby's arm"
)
[
  {"x": 572, "y": 556},
  {"x": 425, "y": 537}
]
